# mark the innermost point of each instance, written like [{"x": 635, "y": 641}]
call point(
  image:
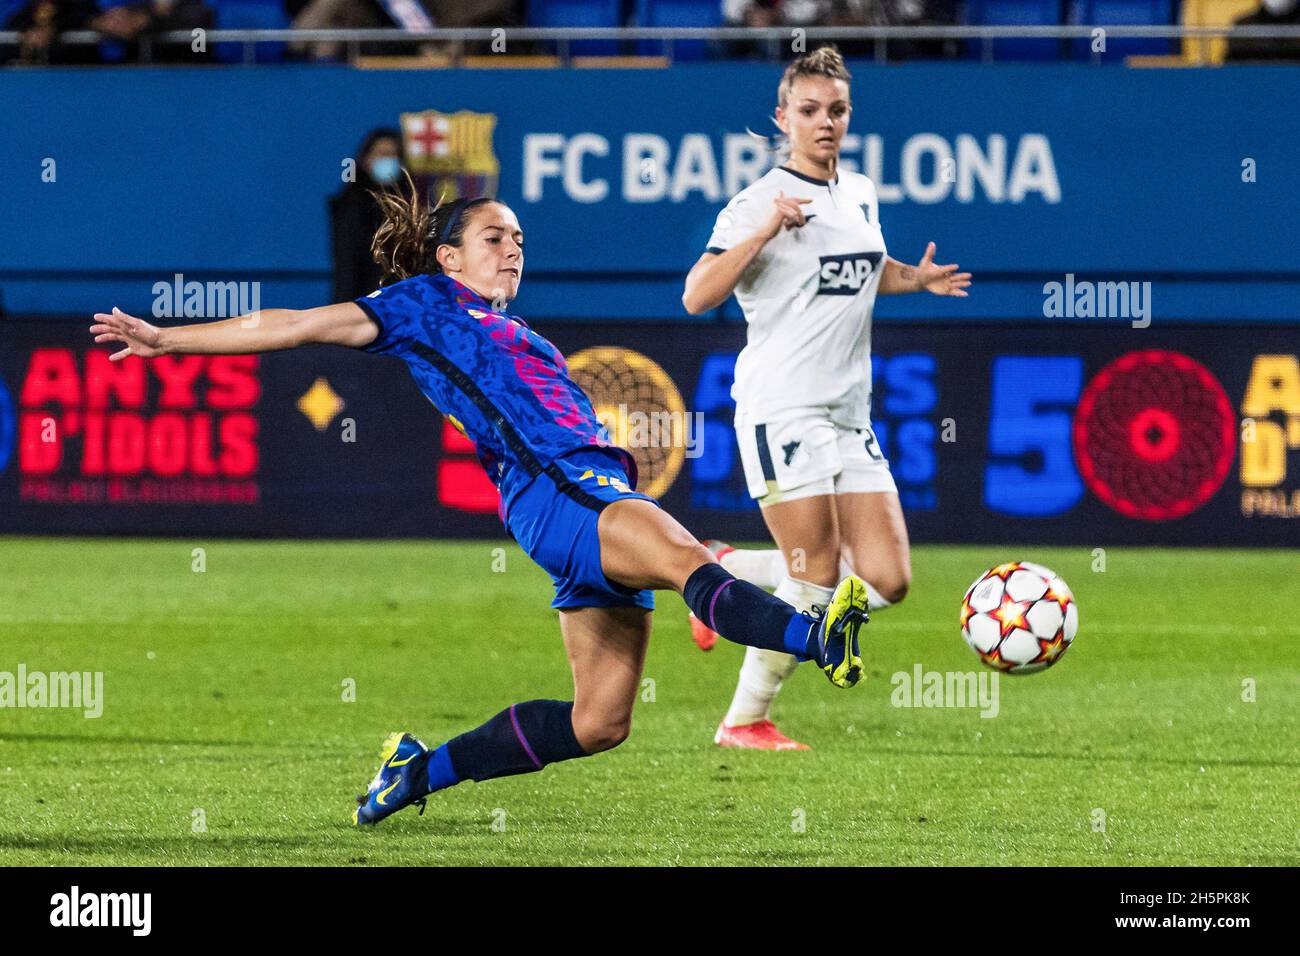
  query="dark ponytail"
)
[{"x": 407, "y": 241}]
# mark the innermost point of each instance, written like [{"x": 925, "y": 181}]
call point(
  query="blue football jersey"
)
[{"x": 504, "y": 386}]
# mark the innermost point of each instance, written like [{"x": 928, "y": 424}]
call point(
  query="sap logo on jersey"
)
[{"x": 846, "y": 274}]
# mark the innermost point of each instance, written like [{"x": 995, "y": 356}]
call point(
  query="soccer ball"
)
[{"x": 1019, "y": 617}]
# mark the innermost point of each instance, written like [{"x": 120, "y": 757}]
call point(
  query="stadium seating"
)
[
  {"x": 579, "y": 13},
  {"x": 249, "y": 15},
  {"x": 8, "y": 8},
  {"x": 269, "y": 14},
  {"x": 677, "y": 13},
  {"x": 1020, "y": 13},
  {"x": 1126, "y": 13}
]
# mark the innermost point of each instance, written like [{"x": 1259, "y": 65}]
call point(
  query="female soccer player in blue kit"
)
[{"x": 566, "y": 494}]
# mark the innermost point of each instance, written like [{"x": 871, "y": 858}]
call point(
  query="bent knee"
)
[
  {"x": 893, "y": 589},
  {"x": 892, "y": 584},
  {"x": 688, "y": 556},
  {"x": 596, "y": 734}
]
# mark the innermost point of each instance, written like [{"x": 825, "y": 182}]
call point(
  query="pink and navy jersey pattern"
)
[{"x": 506, "y": 386}]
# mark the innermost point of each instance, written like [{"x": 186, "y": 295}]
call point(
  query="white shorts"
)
[{"x": 808, "y": 457}]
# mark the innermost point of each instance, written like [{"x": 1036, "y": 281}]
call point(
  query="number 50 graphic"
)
[
  {"x": 1031, "y": 471},
  {"x": 1153, "y": 435}
]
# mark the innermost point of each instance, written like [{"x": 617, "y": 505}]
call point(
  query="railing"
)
[{"x": 779, "y": 38}]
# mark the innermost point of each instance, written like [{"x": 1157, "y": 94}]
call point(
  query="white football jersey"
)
[{"x": 807, "y": 299}]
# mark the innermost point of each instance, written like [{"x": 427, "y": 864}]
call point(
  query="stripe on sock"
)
[
  {"x": 714, "y": 602},
  {"x": 523, "y": 740}
]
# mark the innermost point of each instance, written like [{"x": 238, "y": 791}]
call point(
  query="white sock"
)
[
  {"x": 764, "y": 671},
  {"x": 777, "y": 569},
  {"x": 766, "y": 569},
  {"x": 756, "y": 567}
]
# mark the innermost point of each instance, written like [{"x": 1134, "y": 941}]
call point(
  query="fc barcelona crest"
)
[{"x": 450, "y": 155}]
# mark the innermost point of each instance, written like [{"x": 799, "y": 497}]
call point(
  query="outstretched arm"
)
[
  {"x": 899, "y": 277},
  {"x": 267, "y": 330}
]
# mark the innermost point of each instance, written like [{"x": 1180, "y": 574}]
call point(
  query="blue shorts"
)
[{"x": 554, "y": 521}]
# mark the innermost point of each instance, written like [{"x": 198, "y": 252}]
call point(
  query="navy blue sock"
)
[
  {"x": 745, "y": 613},
  {"x": 521, "y": 739}
]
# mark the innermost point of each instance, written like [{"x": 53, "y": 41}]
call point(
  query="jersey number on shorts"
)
[{"x": 872, "y": 448}]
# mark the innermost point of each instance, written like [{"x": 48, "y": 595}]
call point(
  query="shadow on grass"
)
[
  {"x": 1194, "y": 760},
  {"x": 325, "y": 838},
  {"x": 173, "y": 846},
  {"x": 95, "y": 739}
]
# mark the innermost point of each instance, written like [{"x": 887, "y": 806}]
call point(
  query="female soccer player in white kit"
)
[{"x": 803, "y": 252}]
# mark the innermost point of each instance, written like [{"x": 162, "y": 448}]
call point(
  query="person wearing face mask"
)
[
  {"x": 355, "y": 214},
  {"x": 1270, "y": 13}
]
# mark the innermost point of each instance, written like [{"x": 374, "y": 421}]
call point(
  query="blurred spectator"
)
[
  {"x": 843, "y": 13},
  {"x": 335, "y": 15},
  {"x": 476, "y": 13},
  {"x": 893, "y": 13},
  {"x": 919, "y": 13},
  {"x": 130, "y": 22},
  {"x": 766, "y": 13},
  {"x": 752, "y": 13},
  {"x": 354, "y": 215},
  {"x": 1270, "y": 13},
  {"x": 410, "y": 15},
  {"x": 40, "y": 23}
]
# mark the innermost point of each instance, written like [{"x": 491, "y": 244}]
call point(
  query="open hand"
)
[
  {"x": 941, "y": 280},
  {"x": 139, "y": 336}
]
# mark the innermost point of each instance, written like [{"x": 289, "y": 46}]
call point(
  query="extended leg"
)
[
  {"x": 644, "y": 547},
  {"x": 606, "y": 648}
]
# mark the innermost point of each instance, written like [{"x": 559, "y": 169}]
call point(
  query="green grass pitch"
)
[{"x": 225, "y": 739}]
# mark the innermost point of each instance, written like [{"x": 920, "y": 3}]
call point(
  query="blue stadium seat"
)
[
  {"x": 677, "y": 13},
  {"x": 249, "y": 15},
  {"x": 580, "y": 13},
  {"x": 1018, "y": 13},
  {"x": 1127, "y": 12},
  {"x": 8, "y": 8}
]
